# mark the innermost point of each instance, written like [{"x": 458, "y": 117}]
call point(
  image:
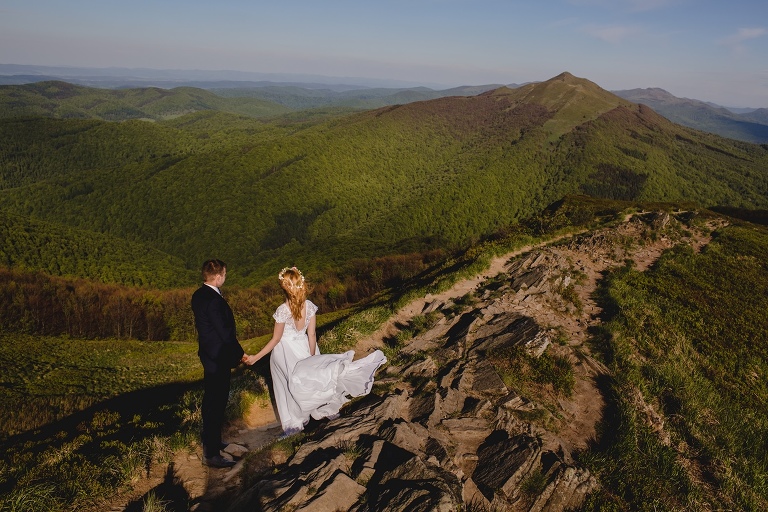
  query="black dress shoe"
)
[{"x": 217, "y": 461}]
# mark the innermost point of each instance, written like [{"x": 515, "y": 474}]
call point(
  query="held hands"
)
[{"x": 249, "y": 360}]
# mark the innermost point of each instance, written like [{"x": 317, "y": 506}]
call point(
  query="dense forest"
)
[
  {"x": 319, "y": 190},
  {"x": 67, "y": 101},
  {"x": 37, "y": 303},
  {"x": 59, "y": 250},
  {"x": 106, "y": 223},
  {"x": 110, "y": 200}
]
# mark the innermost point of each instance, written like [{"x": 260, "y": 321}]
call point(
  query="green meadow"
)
[{"x": 689, "y": 337}]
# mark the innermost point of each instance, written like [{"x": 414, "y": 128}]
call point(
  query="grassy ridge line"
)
[
  {"x": 436, "y": 174},
  {"x": 687, "y": 337},
  {"x": 63, "y": 100},
  {"x": 79, "y": 452},
  {"x": 371, "y": 315}
]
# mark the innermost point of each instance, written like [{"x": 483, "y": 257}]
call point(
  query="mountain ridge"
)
[
  {"x": 741, "y": 124},
  {"x": 499, "y": 393},
  {"x": 18, "y": 72},
  {"x": 416, "y": 176},
  {"x": 61, "y": 99},
  {"x": 750, "y": 126}
]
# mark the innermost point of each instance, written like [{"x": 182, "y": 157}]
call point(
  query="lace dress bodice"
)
[{"x": 283, "y": 316}]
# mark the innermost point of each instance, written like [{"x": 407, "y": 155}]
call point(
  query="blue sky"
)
[{"x": 712, "y": 50}]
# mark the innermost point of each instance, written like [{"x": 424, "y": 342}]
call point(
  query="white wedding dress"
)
[{"x": 314, "y": 386}]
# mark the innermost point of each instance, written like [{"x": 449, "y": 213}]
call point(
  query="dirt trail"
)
[
  {"x": 459, "y": 289},
  {"x": 209, "y": 489}
]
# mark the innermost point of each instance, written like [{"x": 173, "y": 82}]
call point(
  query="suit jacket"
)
[{"x": 218, "y": 347}]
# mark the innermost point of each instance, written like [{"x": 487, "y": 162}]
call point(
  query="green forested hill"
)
[
  {"x": 64, "y": 251},
  {"x": 752, "y": 127},
  {"x": 67, "y": 101},
  {"x": 301, "y": 98},
  {"x": 317, "y": 193}
]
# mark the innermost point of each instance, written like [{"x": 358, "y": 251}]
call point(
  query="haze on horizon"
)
[{"x": 703, "y": 49}]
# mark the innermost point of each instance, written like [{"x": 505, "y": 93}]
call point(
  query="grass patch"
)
[
  {"x": 346, "y": 334},
  {"x": 37, "y": 497},
  {"x": 49, "y": 378},
  {"x": 689, "y": 337},
  {"x": 534, "y": 484},
  {"x": 246, "y": 389},
  {"x": 153, "y": 503},
  {"x": 81, "y": 418},
  {"x": 519, "y": 369}
]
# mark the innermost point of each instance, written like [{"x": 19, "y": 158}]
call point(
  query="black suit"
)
[{"x": 219, "y": 351}]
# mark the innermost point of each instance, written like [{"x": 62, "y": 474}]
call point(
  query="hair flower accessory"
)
[{"x": 281, "y": 276}]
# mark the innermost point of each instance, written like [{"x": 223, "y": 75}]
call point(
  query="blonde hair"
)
[{"x": 295, "y": 289}]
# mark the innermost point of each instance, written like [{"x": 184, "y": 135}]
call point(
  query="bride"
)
[{"x": 305, "y": 382}]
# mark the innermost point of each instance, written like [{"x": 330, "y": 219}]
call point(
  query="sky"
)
[{"x": 710, "y": 50}]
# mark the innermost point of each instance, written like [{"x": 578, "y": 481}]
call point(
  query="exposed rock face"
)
[
  {"x": 451, "y": 434},
  {"x": 452, "y": 427}
]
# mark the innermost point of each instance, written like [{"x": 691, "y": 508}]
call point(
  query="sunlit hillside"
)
[{"x": 431, "y": 174}]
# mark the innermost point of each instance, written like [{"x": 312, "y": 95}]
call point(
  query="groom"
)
[{"x": 219, "y": 352}]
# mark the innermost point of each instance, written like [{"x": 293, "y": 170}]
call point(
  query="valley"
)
[{"x": 569, "y": 288}]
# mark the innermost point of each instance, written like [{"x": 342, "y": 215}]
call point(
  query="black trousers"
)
[{"x": 215, "y": 396}]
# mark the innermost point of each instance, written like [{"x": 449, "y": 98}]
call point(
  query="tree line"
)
[{"x": 34, "y": 302}]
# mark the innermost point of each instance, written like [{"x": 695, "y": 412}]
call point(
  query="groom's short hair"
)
[{"x": 213, "y": 268}]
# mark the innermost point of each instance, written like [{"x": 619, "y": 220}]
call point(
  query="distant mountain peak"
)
[
  {"x": 564, "y": 77},
  {"x": 751, "y": 126},
  {"x": 650, "y": 94},
  {"x": 567, "y": 78},
  {"x": 573, "y": 100}
]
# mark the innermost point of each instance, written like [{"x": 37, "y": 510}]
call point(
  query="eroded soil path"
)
[
  {"x": 459, "y": 289},
  {"x": 589, "y": 256}
]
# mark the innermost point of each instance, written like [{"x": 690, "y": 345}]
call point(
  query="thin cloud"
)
[
  {"x": 743, "y": 34},
  {"x": 612, "y": 34},
  {"x": 628, "y": 5},
  {"x": 736, "y": 41}
]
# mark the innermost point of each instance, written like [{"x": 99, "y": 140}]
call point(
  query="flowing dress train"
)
[{"x": 314, "y": 386}]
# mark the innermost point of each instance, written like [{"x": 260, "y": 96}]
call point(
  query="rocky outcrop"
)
[
  {"x": 450, "y": 434},
  {"x": 451, "y": 425}
]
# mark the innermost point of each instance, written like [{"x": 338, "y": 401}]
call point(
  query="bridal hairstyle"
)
[
  {"x": 295, "y": 288},
  {"x": 212, "y": 268}
]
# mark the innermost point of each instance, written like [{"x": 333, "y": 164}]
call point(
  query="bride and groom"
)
[{"x": 306, "y": 383}]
